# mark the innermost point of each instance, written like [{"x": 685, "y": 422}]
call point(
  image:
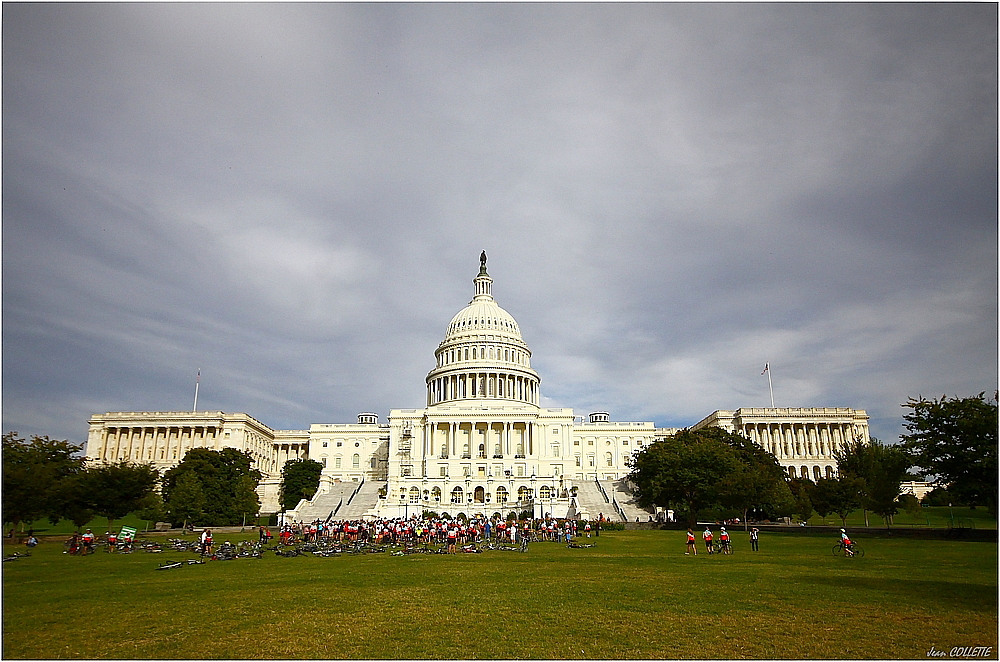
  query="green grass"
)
[
  {"x": 934, "y": 517},
  {"x": 634, "y": 595}
]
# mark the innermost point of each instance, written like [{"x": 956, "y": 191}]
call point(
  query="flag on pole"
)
[
  {"x": 765, "y": 369},
  {"x": 198, "y": 378}
]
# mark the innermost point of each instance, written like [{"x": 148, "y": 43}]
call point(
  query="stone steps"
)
[
  {"x": 366, "y": 499},
  {"x": 323, "y": 504},
  {"x": 622, "y": 491},
  {"x": 590, "y": 500}
]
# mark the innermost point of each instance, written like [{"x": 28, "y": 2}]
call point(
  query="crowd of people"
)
[{"x": 434, "y": 530}]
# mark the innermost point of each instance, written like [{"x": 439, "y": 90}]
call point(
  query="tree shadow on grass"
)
[{"x": 952, "y": 595}]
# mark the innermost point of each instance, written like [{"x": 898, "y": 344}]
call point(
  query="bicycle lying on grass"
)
[{"x": 15, "y": 556}]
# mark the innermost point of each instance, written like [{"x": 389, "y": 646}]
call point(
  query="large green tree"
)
[
  {"x": 695, "y": 470},
  {"x": 299, "y": 480},
  {"x": 758, "y": 483},
  {"x": 33, "y": 474},
  {"x": 880, "y": 468},
  {"x": 186, "y": 500},
  {"x": 802, "y": 489},
  {"x": 115, "y": 490},
  {"x": 227, "y": 480},
  {"x": 841, "y": 495},
  {"x": 955, "y": 440}
]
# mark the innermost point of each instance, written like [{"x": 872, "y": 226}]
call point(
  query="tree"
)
[
  {"x": 187, "y": 500},
  {"x": 115, "y": 490},
  {"x": 32, "y": 475},
  {"x": 759, "y": 481},
  {"x": 841, "y": 495},
  {"x": 881, "y": 468},
  {"x": 299, "y": 480},
  {"x": 71, "y": 502},
  {"x": 684, "y": 470},
  {"x": 152, "y": 508},
  {"x": 802, "y": 489},
  {"x": 221, "y": 477},
  {"x": 245, "y": 500},
  {"x": 955, "y": 439},
  {"x": 909, "y": 503},
  {"x": 939, "y": 496}
]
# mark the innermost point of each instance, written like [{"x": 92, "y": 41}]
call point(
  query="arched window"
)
[
  {"x": 436, "y": 494},
  {"x": 356, "y": 461},
  {"x": 501, "y": 494},
  {"x": 817, "y": 473},
  {"x": 414, "y": 495},
  {"x": 456, "y": 495},
  {"x": 608, "y": 459},
  {"x": 544, "y": 492},
  {"x": 523, "y": 493},
  {"x": 829, "y": 472},
  {"x": 336, "y": 462}
]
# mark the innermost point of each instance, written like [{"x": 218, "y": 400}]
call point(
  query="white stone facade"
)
[
  {"x": 482, "y": 443},
  {"x": 802, "y": 439}
]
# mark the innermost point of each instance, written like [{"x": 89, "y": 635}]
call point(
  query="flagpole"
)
[
  {"x": 767, "y": 371},
  {"x": 197, "y": 380},
  {"x": 769, "y": 388}
]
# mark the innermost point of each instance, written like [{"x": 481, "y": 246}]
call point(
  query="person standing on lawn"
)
[
  {"x": 692, "y": 547},
  {"x": 754, "y": 534}
]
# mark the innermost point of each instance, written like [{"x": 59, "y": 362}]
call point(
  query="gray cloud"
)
[{"x": 293, "y": 196}]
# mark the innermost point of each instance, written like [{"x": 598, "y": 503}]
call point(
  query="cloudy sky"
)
[{"x": 293, "y": 198}]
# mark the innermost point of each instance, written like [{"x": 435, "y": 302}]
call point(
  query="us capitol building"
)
[{"x": 482, "y": 444}]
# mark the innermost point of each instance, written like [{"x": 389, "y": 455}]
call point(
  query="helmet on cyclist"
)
[
  {"x": 723, "y": 528},
  {"x": 843, "y": 531}
]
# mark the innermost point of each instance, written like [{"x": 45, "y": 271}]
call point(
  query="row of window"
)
[
  {"x": 478, "y": 352},
  {"x": 817, "y": 472},
  {"x": 357, "y": 444},
  {"x": 479, "y": 494},
  {"x": 475, "y": 322},
  {"x": 607, "y": 442}
]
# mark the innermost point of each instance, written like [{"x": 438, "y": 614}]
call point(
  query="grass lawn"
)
[
  {"x": 935, "y": 517},
  {"x": 634, "y": 595}
]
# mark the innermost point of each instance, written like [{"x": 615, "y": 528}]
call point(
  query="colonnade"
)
[
  {"x": 478, "y": 440},
  {"x": 164, "y": 446},
  {"x": 504, "y": 385},
  {"x": 154, "y": 444},
  {"x": 802, "y": 440}
]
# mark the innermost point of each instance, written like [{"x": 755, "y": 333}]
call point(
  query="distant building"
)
[
  {"x": 482, "y": 443},
  {"x": 802, "y": 439}
]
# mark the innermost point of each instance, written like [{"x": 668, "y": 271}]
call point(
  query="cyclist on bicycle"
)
[{"x": 846, "y": 542}]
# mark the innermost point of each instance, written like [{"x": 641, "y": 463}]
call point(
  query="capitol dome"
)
[{"x": 482, "y": 354}]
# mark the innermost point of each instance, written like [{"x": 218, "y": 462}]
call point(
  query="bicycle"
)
[
  {"x": 840, "y": 549},
  {"x": 720, "y": 547}
]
